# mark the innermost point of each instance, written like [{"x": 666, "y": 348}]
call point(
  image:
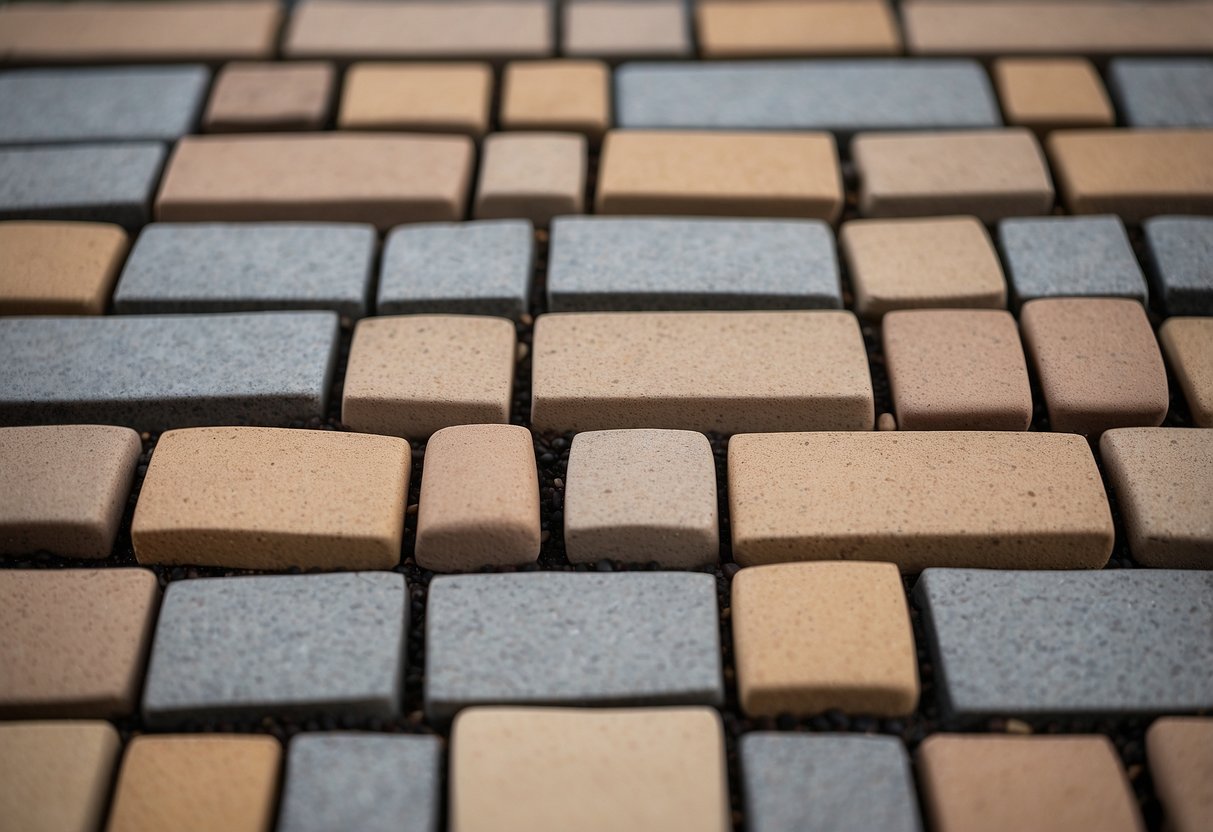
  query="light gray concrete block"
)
[
  {"x": 1070, "y": 257},
  {"x": 1181, "y": 261},
  {"x": 1163, "y": 92}
]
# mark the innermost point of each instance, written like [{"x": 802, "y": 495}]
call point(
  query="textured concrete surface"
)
[
  {"x": 1070, "y": 257},
  {"x": 55, "y": 775},
  {"x": 1180, "y": 250},
  {"x": 1163, "y": 92}
]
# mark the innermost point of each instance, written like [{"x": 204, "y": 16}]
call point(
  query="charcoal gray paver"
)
[
  {"x": 550, "y": 638},
  {"x": 278, "y": 644},
  {"x": 1070, "y": 257},
  {"x": 1163, "y": 92},
  {"x": 609, "y": 264},
  {"x": 1180, "y": 252},
  {"x": 156, "y": 372}
]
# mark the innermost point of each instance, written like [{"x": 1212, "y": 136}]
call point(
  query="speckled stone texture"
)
[
  {"x": 1188, "y": 344},
  {"x": 1163, "y": 92},
  {"x": 231, "y": 267},
  {"x": 1037, "y": 643},
  {"x": 55, "y": 776},
  {"x": 1180, "y": 751},
  {"x": 549, "y": 638},
  {"x": 159, "y": 372},
  {"x": 59, "y": 268},
  {"x": 283, "y": 644},
  {"x": 827, "y": 783},
  {"x": 1181, "y": 259},
  {"x": 94, "y": 104},
  {"x": 368, "y": 782},
  {"x": 608, "y": 264},
  {"x": 1070, "y": 257},
  {"x": 531, "y": 175}
]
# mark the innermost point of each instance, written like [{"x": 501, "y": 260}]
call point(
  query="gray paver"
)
[
  {"x": 481, "y": 267},
  {"x": 827, "y": 783},
  {"x": 110, "y": 104},
  {"x": 281, "y": 644},
  {"x": 601, "y": 263},
  {"x": 1163, "y": 92},
  {"x": 552, "y": 638},
  {"x": 845, "y": 96},
  {"x": 367, "y": 782},
  {"x": 98, "y": 182},
  {"x": 1180, "y": 251},
  {"x": 158, "y": 372},
  {"x": 1070, "y": 257},
  {"x": 1044, "y": 643},
  {"x": 230, "y": 267}
]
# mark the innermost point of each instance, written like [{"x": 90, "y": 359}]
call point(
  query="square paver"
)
[
  {"x": 1070, "y": 257},
  {"x": 56, "y": 776},
  {"x": 534, "y": 176},
  {"x": 564, "y": 95},
  {"x": 1181, "y": 259},
  {"x": 1180, "y": 752},
  {"x": 270, "y": 96},
  {"x": 618, "y": 29},
  {"x": 438, "y": 98},
  {"x": 1163, "y": 92},
  {"x": 1048, "y": 93},
  {"x": 58, "y": 268},
  {"x": 1188, "y": 344}
]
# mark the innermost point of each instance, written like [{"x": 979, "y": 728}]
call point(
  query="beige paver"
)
[
  {"x": 990, "y": 174},
  {"x": 1188, "y": 344},
  {"x": 479, "y": 501},
  {"x": 720, "y": 173},
  {"x": 1180, "y": 754},
  {"x": 729, "y": 372},
  {"x": 569, "y": 95},
  {"x": 1048, "y": 93},
  {"x": 434, "y": 98},
  {"x": 1163, "y": 482},
  {"x": 625, "y": 29},
  {"x": 273, "y": 498},
  {"x": 59, "y": 268},
  {"x": 1007, "y": 784},
  {"x": 411, "y": 375},
  {"x": 782, "y": 28},
  {"x": 808, "y": 637},
  {"x": 994, "y": 500},
  {"x": 1097, "y": 362},
  {"x": 1134, "y": 173},
  {"x": 535, "y": 176},
  {"x": 73, "y": 642},
  {"x": 641, "y": 496},
  {"x": 197, "y": 784},
  {"x": 957, "y": 369},
  {"x": 270, "y": 96},
  {"x": 383, "y": 179},
  {"x": 55, "y": 776},
  {"x": 922, "y": 263},
  {"x": 594, "y": 770}
]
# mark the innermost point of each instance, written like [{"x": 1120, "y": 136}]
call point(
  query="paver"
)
[
  {"x": 63, "y": 489},
  {"x": 549, "y": 638},
  {"x": 653, "y": 263},
  {"x": 991, "y": 174},
  {"x": 250, "y": 96},
  {"x": 197, "y": 783},
  {"x": 534, "y": 176},
  {"x": 55, "y": 776},
  {"x": 728, "y": 372},
  {"x": 917, "y": 263},
  {"x": 1180, "y": 753},
  {"x": 244, "y": 647},
  {"x": 58, "y": 268},
  {"x": 412, "y": 375},
  {"x": 479, "y": 503},
  {"x": 1163, "y": 92},
  {"x": 470, "y": 267},
  {"x": 375, "y": 783},
  {"x": 957, "y": 369},
  {"x": 424, "y": 97},
  {"x": 617, "y": 29},
  {"x": 382, "y": 179},
  {"x": 153, "y": 372},
  {"x": 74, "y": 641},
  {"x": 1053, "y": 784},
  {"x": 997, "y": 500},
  {"x": 1097, "y": 362},
  {"x": 845, "y": 96},
  {"x": 776, "y": 28},
  {"x": 827, "y": 783},
  {"x": 569, "y": 95},
  {"x": 549, "y": 769},
  {"x": 112, "y": 182},
  {"x": 1048, "y": 93},
  {"x": 641, "y": 496},
  {"x": 45, "y": 106},
  {"x": 1188, "y": 344},
  {"x": 1070, "y": 257},
  {"x": 985, "y": 629},
  {"x": 1180, "y": 251}
]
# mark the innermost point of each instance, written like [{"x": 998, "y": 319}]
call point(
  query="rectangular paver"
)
[
  {"x": 533, "y": 176},
  {"x": 1070, "y": 257},
  {"x": 1180, "y": 251},
  {"x": 1180, "y": 752},
  {"x": 570, "y": 95},
  {"x": 1188, "y": 344},
  {"x": 1048, "y": 93},
  {"x": 56, "y": 776},
  {"x": 450, "y": 97},
  {"x": 619, "y": 29},
  {"x": 782, "y": 28},
  {"x": 1163, "y": 92},
  {"x": 59, "y": 268},
  {"x": 255, "y": 96}
]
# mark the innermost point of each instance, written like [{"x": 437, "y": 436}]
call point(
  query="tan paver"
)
[
  {"x": 197, "y": 784},
  {"x": 1180, "y": 754},
  {"x": 411, "y": 375},
  {"x": 594, "y": 770},
  {"x": 479, "y": 502},
  {"x": 618, "y": 29},
  {"x": 383, "y": 179},
  {"x": 569, "y": 95},
  {"x": 534, "y": 176},
  {"x": 270, "y": 96},
  {"x": 992, "y": 500},
  {"x": 1134, "y": 173},
  {"x": 922, "y": 263},
  {"x": 73, "y": 642},
  {"x": 1188, "y": 344},
  {"x": 784, "y": 28},
  {"x": 641, "y": 496},
  {"x": 1097, "y": 362},
  {"x": 59, "y": 268},
  {"x": 720, "y": 173},
  {"x": 1163, "y": 482},
  {"x": 55, "y": 776},
  {"x": 808, "y": 637},
  {"x": 729, "y": 372},
  {"x": 990, "y": 174},
  {"x": 957, "y": 369},
  {"x": 1007, "y": 784},
  {"x": 434, "y": 98},
  {"x": 273, "y": 498},
  {"x": 1048, "y": 93}
]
